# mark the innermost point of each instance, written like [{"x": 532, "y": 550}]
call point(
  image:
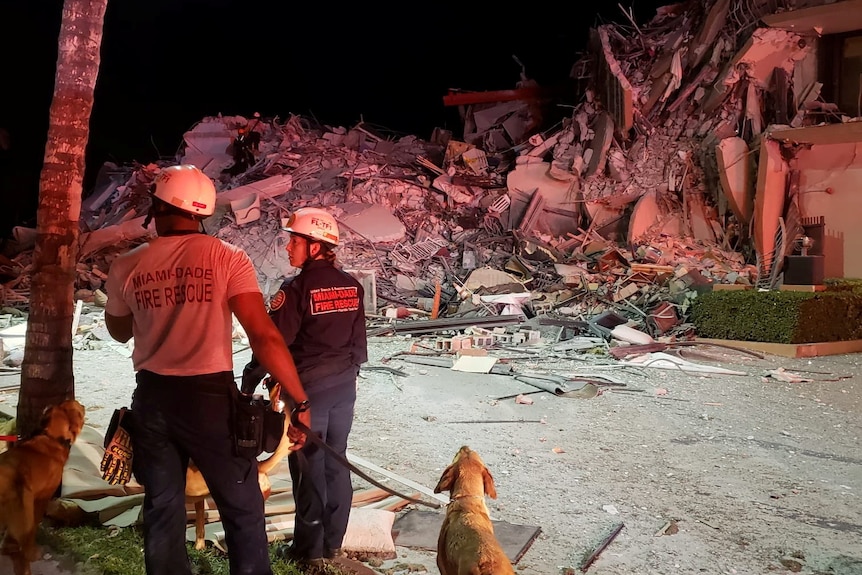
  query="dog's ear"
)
[
  {"x": 447, "y": 480},
  {"x": 488, "y": 483},
  {"x": 75, "y": 413}
]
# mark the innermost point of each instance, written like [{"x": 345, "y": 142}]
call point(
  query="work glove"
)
[{"x": 116, "y": 466}]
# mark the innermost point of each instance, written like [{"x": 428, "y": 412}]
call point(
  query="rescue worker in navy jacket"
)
[{"x": 321, "y": 316}]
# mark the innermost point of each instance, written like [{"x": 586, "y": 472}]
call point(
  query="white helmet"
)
[
  {"x": 187, "y": 188},
  {"x": 313, "y": 223}
]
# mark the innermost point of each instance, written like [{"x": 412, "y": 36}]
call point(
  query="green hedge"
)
[
  {"x": 780, "y": 317},
  {"x": 843, "y": 284}
]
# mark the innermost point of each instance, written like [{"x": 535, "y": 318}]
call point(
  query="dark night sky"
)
[{"x": 166, "y": 64}]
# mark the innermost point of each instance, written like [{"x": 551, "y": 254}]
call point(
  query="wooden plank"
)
[
  {"x": 393, "y": 503},
  {"x": 730, "y": 287},
  {"x": 370, "y": 495},
  {"x": 362, "y": 462},
  {"x": 795, "y": 350},
  {"x": 652, "y": 268},
  {"x": 283, "y": 503}
]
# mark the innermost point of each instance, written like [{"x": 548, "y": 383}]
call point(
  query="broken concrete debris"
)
[{"x": 682, "y": 167}]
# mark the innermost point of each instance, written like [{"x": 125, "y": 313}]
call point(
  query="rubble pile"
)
[
  {"x": 417, "y": 215},
  {"x": 644, "y": 167},
  {"x": 626, "y": 206},
  {"x": 666, "y": 142}
]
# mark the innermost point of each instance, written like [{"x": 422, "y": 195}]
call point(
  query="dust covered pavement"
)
[
  {"x": 752, "y": 474},
  {"x": 709, "y": 474}
]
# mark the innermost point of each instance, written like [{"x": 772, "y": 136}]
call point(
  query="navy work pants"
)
[
  {"x": 177, "y": 418},
  {"x": 321, "y": 485}
]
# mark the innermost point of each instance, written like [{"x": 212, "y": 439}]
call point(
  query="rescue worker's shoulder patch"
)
[{"x": 277, "y": 300}]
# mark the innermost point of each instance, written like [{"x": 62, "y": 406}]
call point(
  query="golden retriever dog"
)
[
  {"x": 467, "y": 544},
  {"x": 197, "y": 490},
  {"x": 30, "y": 474}
]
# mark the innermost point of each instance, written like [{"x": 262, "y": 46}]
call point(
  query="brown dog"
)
[
  {"x": 467, "y": 544},
  {"x": 197, "y": 490},
  {"x": 30, "y": 473}
]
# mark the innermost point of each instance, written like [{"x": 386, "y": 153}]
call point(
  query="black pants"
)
[
  {"x": 177, "y": 418},
  {"x": 321, "y": 485}
]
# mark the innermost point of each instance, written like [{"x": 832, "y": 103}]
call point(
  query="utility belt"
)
[{"x": 256, "y": 425}]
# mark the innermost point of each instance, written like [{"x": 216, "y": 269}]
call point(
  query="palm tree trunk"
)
[{"x": 46, "y": 372}]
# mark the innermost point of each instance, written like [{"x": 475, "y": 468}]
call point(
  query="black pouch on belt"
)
[{"x": 257, "y": 426}]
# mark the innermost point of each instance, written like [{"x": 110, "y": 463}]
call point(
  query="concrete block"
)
[
  {"x": 443, "y": 344},
  {"x": 483, "y": 340},
  {"x": 533, "y": 335},
  {"x": 460, "y": 342},
  {"x": 505, "y": 338}
]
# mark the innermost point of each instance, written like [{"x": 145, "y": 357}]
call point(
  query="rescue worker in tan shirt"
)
[{"x": 176, "y": 295}]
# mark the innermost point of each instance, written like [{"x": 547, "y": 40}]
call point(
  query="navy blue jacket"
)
[{"x": 321, "y": 316}]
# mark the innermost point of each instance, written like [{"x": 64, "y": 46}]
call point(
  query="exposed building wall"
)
[{"x": 831, "y": 186}]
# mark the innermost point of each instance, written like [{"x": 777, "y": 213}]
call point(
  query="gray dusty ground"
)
[{"x": 752, "y": 474}]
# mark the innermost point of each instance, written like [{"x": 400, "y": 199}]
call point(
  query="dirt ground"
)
[{"x": 717, "y": 474}]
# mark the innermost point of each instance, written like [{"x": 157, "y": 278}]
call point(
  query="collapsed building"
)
[
  {"x": 715, "y": 145},
  {"x": 745, "y": 99}
]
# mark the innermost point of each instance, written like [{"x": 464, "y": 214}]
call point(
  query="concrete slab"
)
[
  {"x": 772, "y": 173},
  {"x": 419, "y": 529},
  {"x": 375, "y": 223},
  {"x": 644, "y": 216},
  {"x": 558, "y": 195},
  {"x": 734, "y": 172},
  {"x": 206, "y": 147},
  {"x": 269, "y": 188}
]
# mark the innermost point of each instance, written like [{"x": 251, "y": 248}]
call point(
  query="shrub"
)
[{"x": 780, "y": 317}]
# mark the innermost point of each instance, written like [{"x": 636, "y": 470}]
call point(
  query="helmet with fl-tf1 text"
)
[
  {"x": 313, "y": 223},
  {"x": 187, "y": 188}
]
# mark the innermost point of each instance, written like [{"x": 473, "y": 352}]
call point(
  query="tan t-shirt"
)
[{"x": 177, "y": 289}]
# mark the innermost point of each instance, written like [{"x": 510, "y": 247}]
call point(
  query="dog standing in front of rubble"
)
[
  {"x": 467, "y": 544},
  {"x": 30, "y": 474}
]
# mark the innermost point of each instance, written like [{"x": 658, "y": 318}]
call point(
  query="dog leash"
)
[{"x": 314, "y": 438}]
